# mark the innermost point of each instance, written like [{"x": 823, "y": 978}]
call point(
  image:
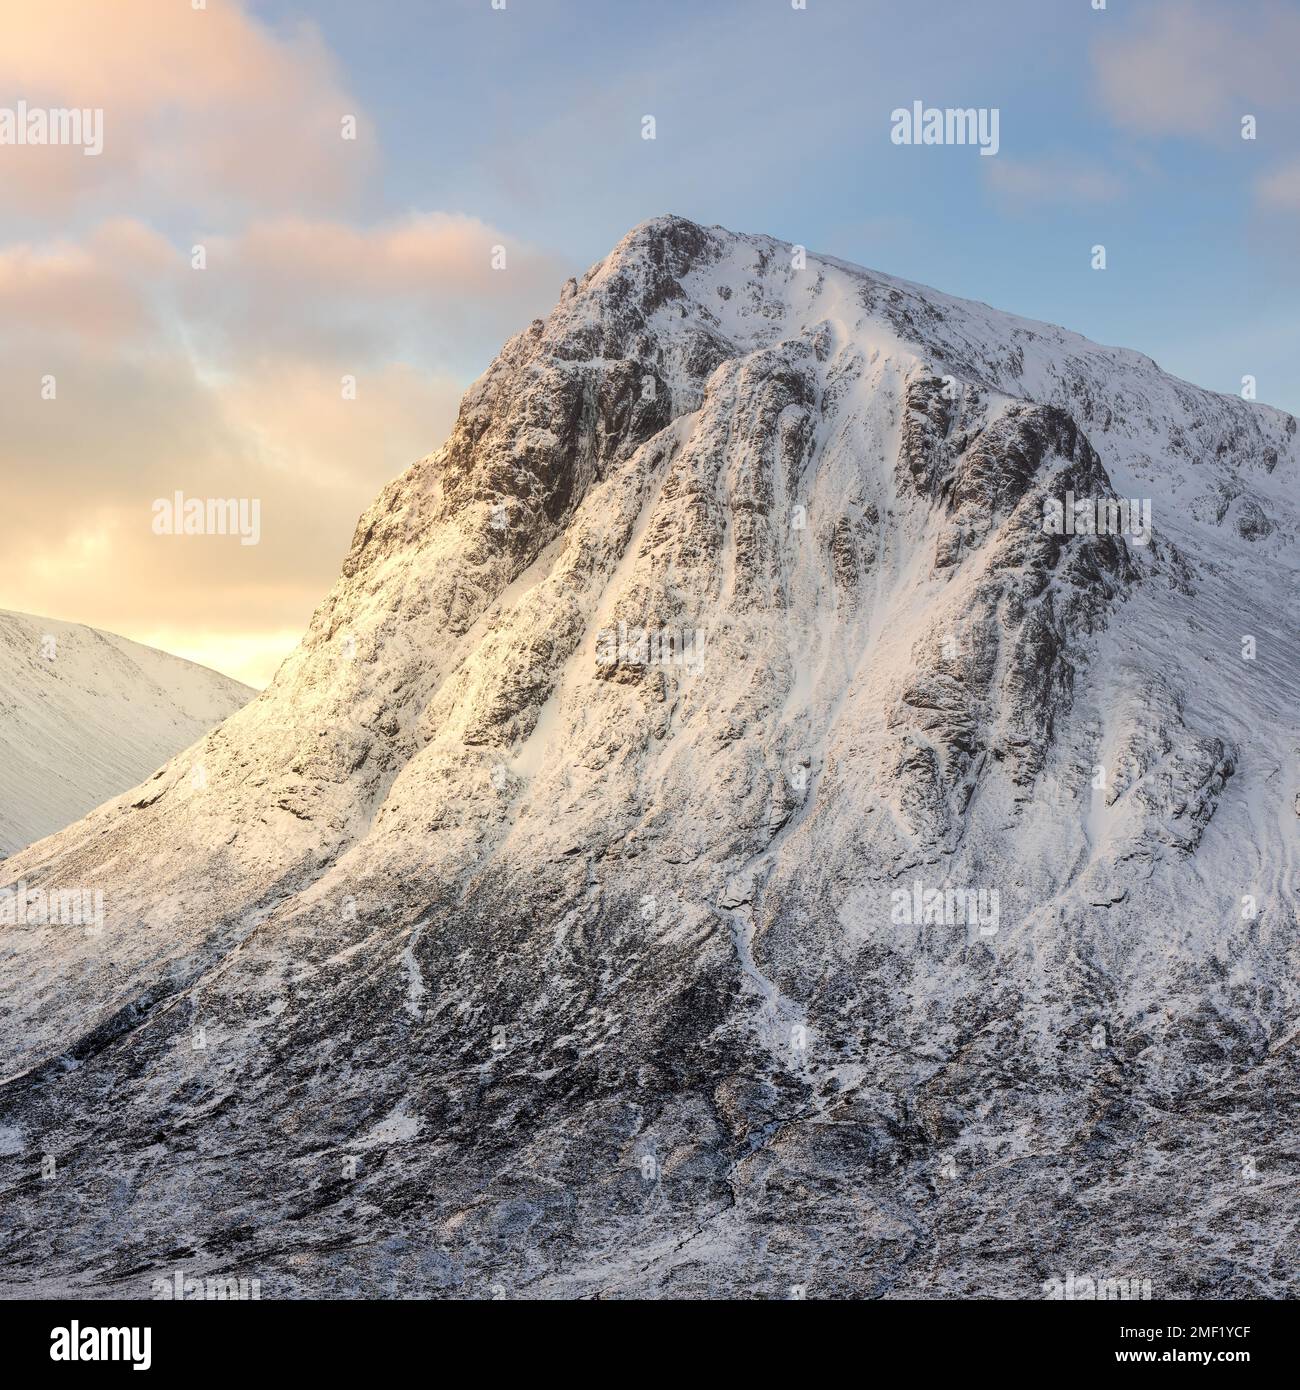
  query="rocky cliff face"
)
[{"x": 717, "y": 838}]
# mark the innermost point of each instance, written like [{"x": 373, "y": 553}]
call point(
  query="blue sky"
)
[{"x": 776, "y": 120}]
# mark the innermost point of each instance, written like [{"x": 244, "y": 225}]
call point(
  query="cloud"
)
[
  {"x": 86, "y": 290},
  {"x": 226, "y": 382},
  {"x": 1053, "y": 181},
  {"x": 206, "y": 109},
  {"x": 1190, "y": 68},
  {"x": 424, "y": 283},
  {"x": 1281, "y": 188}
]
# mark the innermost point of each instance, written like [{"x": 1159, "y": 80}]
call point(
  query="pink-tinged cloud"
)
[
  {"x": 1281, "y": 188},
  {"x": 206, "y": 109},
  {"x": 93, "y": 289},
  {"x": 427, "y": 282},
  {"x": 1192, "y": 68}
]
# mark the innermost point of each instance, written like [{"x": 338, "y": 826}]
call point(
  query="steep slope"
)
[
  {"x": 85, "y": 714},
  {"x": 551, "y": 923}
]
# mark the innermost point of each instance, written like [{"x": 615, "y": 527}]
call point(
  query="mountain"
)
[
  {"x": 85, "y": 715},
  {"x": 724, "y": 834}
]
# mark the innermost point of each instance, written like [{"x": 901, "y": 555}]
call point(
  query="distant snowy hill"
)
[
  {"x": 717, "y": 838},
  {"x": 85, "y": 714}
]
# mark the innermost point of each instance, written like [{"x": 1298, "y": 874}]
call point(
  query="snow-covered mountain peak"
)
[{"x": 729, "y": 749}]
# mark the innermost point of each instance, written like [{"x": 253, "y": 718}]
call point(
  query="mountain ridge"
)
[{"x": 104, "y": 751}]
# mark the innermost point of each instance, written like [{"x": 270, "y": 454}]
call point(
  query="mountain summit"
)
[{"x": 798, "y": 793}]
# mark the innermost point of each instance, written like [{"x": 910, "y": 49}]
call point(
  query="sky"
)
[{"x": 132, "y": 367}]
